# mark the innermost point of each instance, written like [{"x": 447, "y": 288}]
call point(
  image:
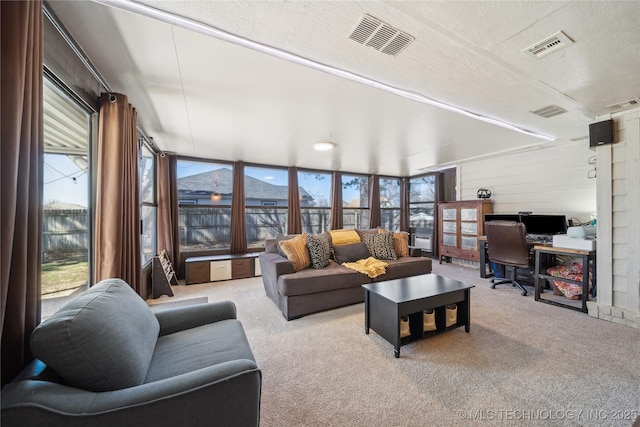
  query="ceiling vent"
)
[
  {"x": 551, "y": 44},
  {"x": 381, "y": 36},
  {"x": 580, "y": 138},
  {"x": 624, "y": 105},
  {"x": 549, "y": 111}
]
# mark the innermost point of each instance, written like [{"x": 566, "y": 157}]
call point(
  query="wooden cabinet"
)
[
  {"x": 459, "y": 225},
  {"x": 220, "y": 267}
]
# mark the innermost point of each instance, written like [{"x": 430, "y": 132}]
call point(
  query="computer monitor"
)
[
  {"x": 545, "y": 224},
  {"x": 501, "y": 217}
]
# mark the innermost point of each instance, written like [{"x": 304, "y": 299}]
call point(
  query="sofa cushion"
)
[
  {"x": 319, "y": 250},
  {"x": 296, "y": 251},
  {"x": 350, "y": 253},
  {"x": 196, "y": 348},
  {"x": 405, "y": 267},
  {"x": 344, "y": 237},
  {"x": 381, "y": 246},
  {"x": 401, "y": 243},
  {"x": 312, "y": 281},
  {"x": 102, "y": 340}
]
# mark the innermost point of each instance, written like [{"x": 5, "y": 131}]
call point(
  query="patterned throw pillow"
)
[
  {"x": 381, "y": 246},
  {"x": 401, "y": 243},
  {"x": 319, "y": 250},
  {"x": 296, "y": 251}
]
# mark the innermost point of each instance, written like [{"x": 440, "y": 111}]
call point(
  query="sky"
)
[{"x": 59, "y": 182}]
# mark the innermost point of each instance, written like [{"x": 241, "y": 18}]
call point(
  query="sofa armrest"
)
[
  {"x": 274, "y": 265},
  {"x": 181, "y": 318},
  {"x": 213, "y": 391}
]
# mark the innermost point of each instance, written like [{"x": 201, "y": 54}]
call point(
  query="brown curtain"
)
[
  {"x": 336, "y": 201},
  {"x": 238, "y": 223},
  {"x": 374, "y": 201},
  {"x": 168, "y": 237},
  {"x": 404, "y": 204},
  {"x": 22, "y": 154},
  {"x": 117, "y": 193},
  {"x": 294, "y": 221}
]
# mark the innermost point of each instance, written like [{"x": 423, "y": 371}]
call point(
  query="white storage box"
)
[{"x": 564, "y": 241}]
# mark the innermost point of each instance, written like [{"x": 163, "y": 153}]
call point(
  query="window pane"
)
[
  {"x": 266, "y": 192},
  {"x": 315, "y": 189},
  {"x": 355, "y": 218},
  {"x": 149, "y": 221},
  {"x": 422, "y": 189},
  {"x": 421, "y": 215},
  {"x": 265, "y": 223},
  {"x": 355, "y": 191},
  {"x": 147, "y": 175},
  {"x": 315, "y": 220},
  {"x": 204, "y": 228},
  {"x": 204, "y": 183},
  {"x": 315, "y": 201},
  {"x": 205, "y": 191},
  {"x": 390, "y": 219},
  {"x": 389, "y": 193}
]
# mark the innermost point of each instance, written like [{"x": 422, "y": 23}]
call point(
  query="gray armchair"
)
[{"x": 106, "y": 359}]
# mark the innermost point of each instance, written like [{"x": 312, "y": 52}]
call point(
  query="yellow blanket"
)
[{"x": 371, "y": 267}]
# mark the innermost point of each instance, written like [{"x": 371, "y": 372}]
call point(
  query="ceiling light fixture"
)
[
  {"x": 324, "y": 145},
  {"x": 208, "y": 30}
]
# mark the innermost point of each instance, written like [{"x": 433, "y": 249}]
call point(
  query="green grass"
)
[{"x": 59, "y": 276}]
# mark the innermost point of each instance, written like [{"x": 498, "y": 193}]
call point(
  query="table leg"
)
[
  {"x": 467, "y": 303},
  {"x": 366, "y": 311},
  {"x": 396, "y": 352}
]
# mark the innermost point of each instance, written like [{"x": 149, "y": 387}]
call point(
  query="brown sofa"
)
[{"x": 311, "y": 290}]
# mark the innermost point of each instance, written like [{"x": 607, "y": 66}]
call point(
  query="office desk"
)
[{"x": 587, "y": 257}]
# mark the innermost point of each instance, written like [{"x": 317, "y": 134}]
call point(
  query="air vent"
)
[
  {"x": 381, "y": 36},
  {"x": 580, "y": 138},
  {"x": 551, "y": 44},
  {"x": 549, "y": 111},
  {"x": 624, "y": 105}
]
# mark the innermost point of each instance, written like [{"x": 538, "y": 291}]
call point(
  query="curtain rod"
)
[{"x": 68, "y": 38}]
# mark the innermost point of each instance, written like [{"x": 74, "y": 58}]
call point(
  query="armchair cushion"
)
[{"x": 86, "y": 344}]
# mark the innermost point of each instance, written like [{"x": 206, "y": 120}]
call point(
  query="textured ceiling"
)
[{"x": 201, "y": 96}]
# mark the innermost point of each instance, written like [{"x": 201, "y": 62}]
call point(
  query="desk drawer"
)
[{"x": 241, "y": 268}]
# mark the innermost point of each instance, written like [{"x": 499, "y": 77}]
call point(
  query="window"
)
[
  {"x": 355, "y": 196},
  {"x": 66, "y": 206},
  {"x": 204, "y": 219},
  {"x": 390, "y": 203},
  {"x": 315, "y": 201},
  {"x": 149, "y": 206},
  {"x": 422, "y": 196},
  {"x": 266, "y": 200}
]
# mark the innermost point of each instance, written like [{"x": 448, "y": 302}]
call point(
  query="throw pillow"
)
[
  {"x": 381, "y": 246},
  {"x": 102, "y": 340},
  {"x": 351, "y": 252},
  {"x": 344, "y": 237},
  {"x": 363, "y": 232},
  {"x": 401, "y": 243},
  {"x": 282, "y": 237},
  {"x": 319, "y": 250},
  {"x": 296, "y": 251}
]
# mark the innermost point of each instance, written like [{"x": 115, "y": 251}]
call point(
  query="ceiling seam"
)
[{"x": 184, "y": 95}]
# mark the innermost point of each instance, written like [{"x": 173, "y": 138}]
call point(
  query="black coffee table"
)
[{"x": 386, "y": 302}]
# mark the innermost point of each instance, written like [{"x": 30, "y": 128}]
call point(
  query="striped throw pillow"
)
[{"x": 296, "y": 251}]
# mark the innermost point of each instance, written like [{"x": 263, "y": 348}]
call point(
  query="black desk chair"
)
[{"x": 508, "y": 246}]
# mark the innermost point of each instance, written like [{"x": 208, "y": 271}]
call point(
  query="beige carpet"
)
[{"x": 523, "y": 363}]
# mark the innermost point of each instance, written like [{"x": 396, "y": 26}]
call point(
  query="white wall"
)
[
  {"x": 552, "y": 180},
  {"x": 619, "y": 223},
  {"x": 555, "y": 181}
]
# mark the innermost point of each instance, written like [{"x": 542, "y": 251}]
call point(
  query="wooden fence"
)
[{"x": 65, "y": 234}]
